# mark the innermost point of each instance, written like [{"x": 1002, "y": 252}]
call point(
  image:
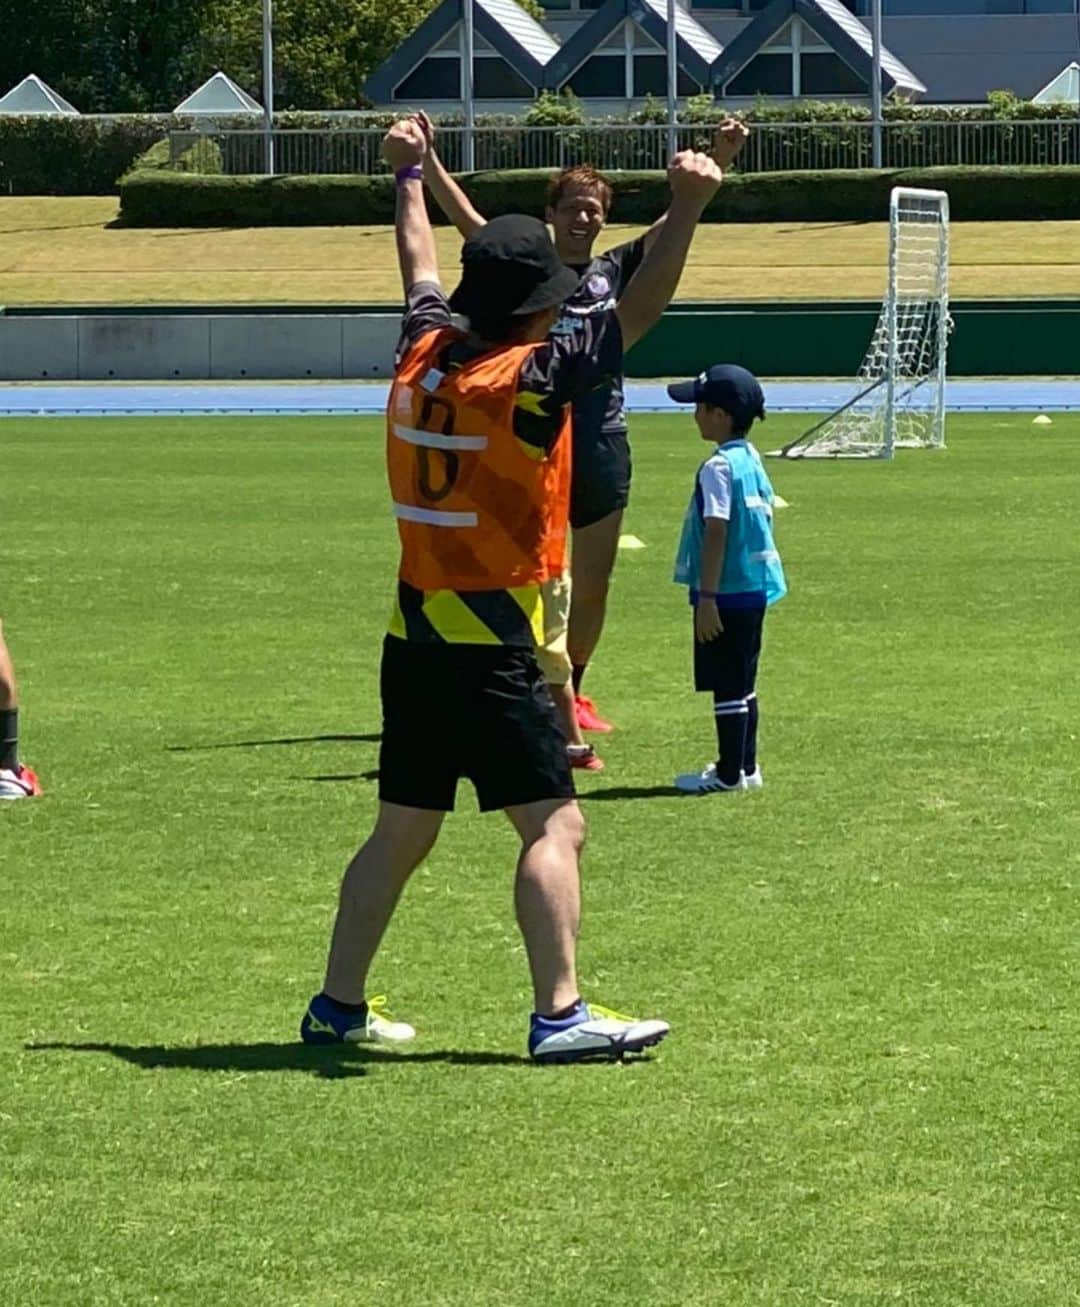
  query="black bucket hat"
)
[{"x": 510, "y": 268}]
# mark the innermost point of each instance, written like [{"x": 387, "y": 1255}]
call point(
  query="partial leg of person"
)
[
  {"x": 17, "y": 781},
  {"x": 726, "y": 666},
  {"x": 373, "y": 883},
  {"x": 547, "y": 897},
  {"x": 555, "y": 664},
  {"x": 595, "y": 548}
]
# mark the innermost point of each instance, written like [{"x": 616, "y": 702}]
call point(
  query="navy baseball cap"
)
[{"x": 726, "y": 386}]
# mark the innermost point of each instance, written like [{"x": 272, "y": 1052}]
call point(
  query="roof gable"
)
[
  {"x": 517, "y": 36},
  {"x": 33, "y": 96},
  {"x": 696, "y": 50},
  {"x": 836, "y": 25},
  {"x": 219, "y": 95}
]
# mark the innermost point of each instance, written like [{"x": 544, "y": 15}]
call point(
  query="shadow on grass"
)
[
  {"x": 288, "y": 739},
  {"x": 631, "y": 792},
  {"x": 346, "y": 776},
  {"x": 334, "y": 1061}
]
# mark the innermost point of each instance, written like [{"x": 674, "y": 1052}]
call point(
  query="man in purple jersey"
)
[{"x": 579, "y": 201}]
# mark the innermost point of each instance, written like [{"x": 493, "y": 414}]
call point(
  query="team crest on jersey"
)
[{"x": 597, "y": 284}]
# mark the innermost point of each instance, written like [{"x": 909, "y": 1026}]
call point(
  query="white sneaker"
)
[
  {"x": 707, "y": 782},
  {"x": 19, "y": 784},
  {"x": 592, "y": 1033},
  {"x": 753, "y": 780}
]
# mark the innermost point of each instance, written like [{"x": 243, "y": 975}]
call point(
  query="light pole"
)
[
  {"x": 467, "y": 88},
  {"x": 672, "y": 79},
  {"x": 268, "y": 83},
  {"x": 876, "y": 88}
]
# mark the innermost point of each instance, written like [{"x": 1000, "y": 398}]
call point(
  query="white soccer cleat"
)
[
  {"x": 706, "y": 781},
  {"x": 21, "y": 783},
  {"x": 753, "y": 780},
  {"x": 592, "y": 1033}
]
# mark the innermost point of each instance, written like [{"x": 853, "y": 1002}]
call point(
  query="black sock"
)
[
  {"x": 750, "y": 749},
  {"x": 577, "y": 675},
  {"x": 345, "y": 1007},
  {"x": 731, "y": 722},
  {"x": 9, "y": 739},
  {"x": 563, "y": 1012}
]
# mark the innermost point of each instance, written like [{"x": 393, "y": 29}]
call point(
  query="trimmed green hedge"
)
[{"x": 154, "y": 198}]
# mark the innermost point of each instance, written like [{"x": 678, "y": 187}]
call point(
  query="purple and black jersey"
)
[{"x": 603, "y": 280}]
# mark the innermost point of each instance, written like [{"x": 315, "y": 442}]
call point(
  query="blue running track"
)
[{"x": 86, "y": 399}]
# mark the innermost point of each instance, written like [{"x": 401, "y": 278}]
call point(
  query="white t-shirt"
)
[{"x": 714, "y": 478}]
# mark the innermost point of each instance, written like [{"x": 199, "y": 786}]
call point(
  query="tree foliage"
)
[{"x": 125, "y": 56}]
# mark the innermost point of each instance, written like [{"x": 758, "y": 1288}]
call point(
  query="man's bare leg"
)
[
  {"x": 370, "y": 891},
  {"x": 547, "y": 897},
  {"x": 592, "y": 562}
]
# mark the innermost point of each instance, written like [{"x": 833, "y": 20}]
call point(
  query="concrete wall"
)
[
  {"x": 1005, "y": 338},
  {"x": 159, "y": 347}
]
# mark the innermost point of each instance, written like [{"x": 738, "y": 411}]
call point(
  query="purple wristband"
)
[{"x": 411, "y": 172}]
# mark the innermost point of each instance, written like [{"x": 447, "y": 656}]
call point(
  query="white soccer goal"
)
[{"x": 899, "y": 398}]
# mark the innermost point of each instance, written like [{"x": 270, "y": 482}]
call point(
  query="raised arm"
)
[
  {"x": 728, "y": 139},
  {"x": 448, "y": 194},
  {"x": 404, "y": 148},
  {"x": 694, "y": 179}
]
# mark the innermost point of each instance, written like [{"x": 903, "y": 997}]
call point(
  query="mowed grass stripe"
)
[
  {"x": 871, "y": 968},
  {"x": 63, "y": 251}
]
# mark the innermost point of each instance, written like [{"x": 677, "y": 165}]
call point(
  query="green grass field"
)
[
  {"x": 870, "y": 1095},
  {"x": 64, "y": 251}
]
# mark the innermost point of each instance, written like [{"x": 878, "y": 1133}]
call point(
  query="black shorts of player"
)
[
  {"x": 599, "y": 477},
  {"x": 478, "y": 711},
  {"x": 727, "y": 666}
]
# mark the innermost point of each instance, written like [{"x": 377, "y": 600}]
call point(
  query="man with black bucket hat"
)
[
  {"x": 729, "y": 562},
  {"x": 479, "y": 471}
]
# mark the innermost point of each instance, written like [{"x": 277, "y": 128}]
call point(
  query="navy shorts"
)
[
  {"x": 600, "y": 476},
  {"x": 727, "y": 666},
  {"x": 466, "y": 710}
]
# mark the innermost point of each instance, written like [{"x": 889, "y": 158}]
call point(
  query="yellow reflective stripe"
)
[
  {"x": 397, "y": 620},
  {"x": 456, "y": 622},
  {"x": 530, "y": 600}
]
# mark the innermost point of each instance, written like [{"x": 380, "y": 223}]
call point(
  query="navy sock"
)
[
  {"x": 9, "y": 739},
  {"x": 750, "y": 748},
  {"x": 562, "y": 1013},
  {"x": 351, "y": 1008},
  {"x": 731, "y": 722}
]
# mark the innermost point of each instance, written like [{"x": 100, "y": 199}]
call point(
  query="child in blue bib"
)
[{"x": 728, "y": 561}]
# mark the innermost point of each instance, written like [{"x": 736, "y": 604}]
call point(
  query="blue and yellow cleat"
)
[
  {"x": 592, "y": 1033},
  {"x": 325, "y": 1022}
]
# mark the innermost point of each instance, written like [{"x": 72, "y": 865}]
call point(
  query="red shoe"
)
[
  {"x": 22, "y": 783},
  {"x": 587, "y": 716},
  {"x": 585, "y": 759}
]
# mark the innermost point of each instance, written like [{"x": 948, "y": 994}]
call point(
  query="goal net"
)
[{"x": 899, "y": 398}]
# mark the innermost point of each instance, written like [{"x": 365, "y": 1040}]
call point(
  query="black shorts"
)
[
  {"x": 727, "y": 666},
  {"x": 453, "y": 710},
  {"x": 600, "y": 476}
]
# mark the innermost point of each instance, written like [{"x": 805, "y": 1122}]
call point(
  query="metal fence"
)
[{"x": 772, "y": 147}]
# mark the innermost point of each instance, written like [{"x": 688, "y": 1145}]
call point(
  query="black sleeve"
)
[
  {"x": 426, "y": 309},
  {"x": 562, "y": 370},
  {"x": 623, "y": 261}
]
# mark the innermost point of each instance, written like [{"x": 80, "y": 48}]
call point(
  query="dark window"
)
[
  {"x": 650, "y": 77},
  {"x": 827, "y": 74},
  {"x": 765, "y": 74},
  {"x": 601, "y": 77},
  {"x": 494, "y": 79},
  {"x": 434, "y": 79},
  {"x": 555, "y": 4},
  {"x": 590, "y": 4}
]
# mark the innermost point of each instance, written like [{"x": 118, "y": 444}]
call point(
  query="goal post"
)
[{"x": 899, "y": 393}]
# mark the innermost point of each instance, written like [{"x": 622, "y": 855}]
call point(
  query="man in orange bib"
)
[{"x": 478, "y": 461}]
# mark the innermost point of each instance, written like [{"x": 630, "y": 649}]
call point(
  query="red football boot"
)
[{"x": 587, "y": 716}]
